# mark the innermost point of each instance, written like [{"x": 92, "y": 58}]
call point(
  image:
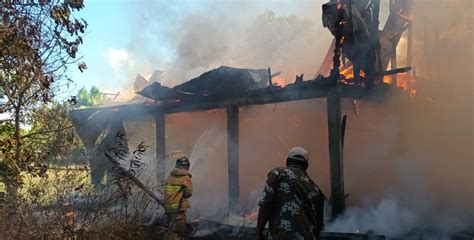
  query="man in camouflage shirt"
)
[{"x": 291, "y": 202}]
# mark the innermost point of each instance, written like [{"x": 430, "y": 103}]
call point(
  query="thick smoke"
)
[
  {"x": 408, "y": 164},
  {"x": 285, "y": 36},
  {"x": 420, "y": 173}
]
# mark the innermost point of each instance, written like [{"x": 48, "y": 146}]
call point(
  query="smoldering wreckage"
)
[{"x": 354, "y": 68}]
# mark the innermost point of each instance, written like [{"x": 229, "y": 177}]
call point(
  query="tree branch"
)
[{"x": 47, "y": 132}]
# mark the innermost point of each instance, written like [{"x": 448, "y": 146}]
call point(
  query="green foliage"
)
[
  {"x": 90, "y": 98},
  {"x": 60, "y": 183},
  {"x": 50, "y": 141},
  {"x": 58, "y": 141},
  {"x": 38, "y": 41},
  {"x": 8, "y": 170}
]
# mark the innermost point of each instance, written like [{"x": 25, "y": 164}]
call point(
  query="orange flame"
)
[
  {"x": 278, "y": 81},
  {"x": 348, "y": 73},
  {"x": 404, "y": 82}
]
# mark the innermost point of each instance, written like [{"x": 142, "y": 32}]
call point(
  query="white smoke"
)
[
  {"x": 385, "y": 217},
  {"x": 190, "y": 41}
]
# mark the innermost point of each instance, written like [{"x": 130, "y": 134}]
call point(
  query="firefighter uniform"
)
[{"x": 178, "y": 188}]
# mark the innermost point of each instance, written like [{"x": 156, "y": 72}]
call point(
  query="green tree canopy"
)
[{"x": 90, "y": 98}]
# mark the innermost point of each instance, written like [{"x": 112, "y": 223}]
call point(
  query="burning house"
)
[{"x": 353, "y": 71}]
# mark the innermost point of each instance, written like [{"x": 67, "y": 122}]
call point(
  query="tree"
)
[
  {"x": 38, "y": 41},
  {"x": 90, "y": 98},
  {"x": 58, "y": 142}
]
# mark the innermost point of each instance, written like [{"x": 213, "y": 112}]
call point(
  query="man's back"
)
[{"x": 297, "y": 204}]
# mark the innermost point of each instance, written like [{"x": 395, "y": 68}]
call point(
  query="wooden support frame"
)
[
  {"x": 410, "y": 53},
  {"x": 301, "y": 90},
  {"x": 393, "y": 55},
  {"x": 233, "y": 157},
  {"x": 160, "y": 147},
  {"x": 335, "y": 151}
]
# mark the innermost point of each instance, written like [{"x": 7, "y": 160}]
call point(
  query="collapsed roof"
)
[{"x": 224, "y": 80}]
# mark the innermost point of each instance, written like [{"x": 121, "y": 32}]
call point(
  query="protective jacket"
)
[
  {"x": 178, "y": 188},
  {"x": 296, "y": 202}
]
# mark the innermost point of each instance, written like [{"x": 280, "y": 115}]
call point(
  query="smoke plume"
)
[{"x": 408, "y": 164}]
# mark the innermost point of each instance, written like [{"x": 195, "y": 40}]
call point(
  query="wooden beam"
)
[
  {"x": 375, "y": 17},
  {"x": 255, "y": 97},
  {"x": 410, "y": 44},
  {"x": 233, "y": 156},
  {"x": 410, "y": 52},
  {"x": 335, "y": 152},
  {"x": 292, "y": 92},
  {"x": 393, "y": 54},
  {"x": 160, "y": 147},
  {"x": 270, "y": 83}
]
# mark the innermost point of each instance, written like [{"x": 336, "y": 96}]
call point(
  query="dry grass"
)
[{"x": 64, "y": 205}]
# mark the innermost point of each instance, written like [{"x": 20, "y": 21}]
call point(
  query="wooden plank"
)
[
  {"x": 391, "y": 34},
  {"x": 410, "y": 44},
  {"x": 393, "y": 55},
  {"x": 293, "y": 92},
  {"x": 335, "y": 152},
  {"x": 306, "y": 91},
  {"x": 160, "y": 147},
  {"x": 326, "y": 65},
  {"x": 255, "y": 97},
  {"x": 410, "y": 53},
  {"x": 233, "y": 156}
]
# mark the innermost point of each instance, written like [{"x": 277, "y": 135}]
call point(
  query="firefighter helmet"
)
[{"x": 183, "y": 162}]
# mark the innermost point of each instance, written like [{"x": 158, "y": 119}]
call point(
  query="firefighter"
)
[
  {"x": 291, "y": 202},
  {"x": 178, "y": 188}
]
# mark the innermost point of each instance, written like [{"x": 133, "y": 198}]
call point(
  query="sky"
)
[
  {"x": 111, "y": 49},
  {"x": 129, "y": 37},
  {"x": 106, "y": 39}
]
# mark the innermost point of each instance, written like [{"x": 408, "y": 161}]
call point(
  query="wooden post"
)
[
  {"x": 393, "y": 57},
  {"x": 409, "y": 52},
  {"x": 233, "y": 156},
  {"x": 160, "y": 147},
  {"x": 410, "y": 48},
  {"x": 270, "y": 83},
  {"x": 335, "y": 152},
  {"x": 375, "y": 17},
  {"x": 334, "y": 126}
]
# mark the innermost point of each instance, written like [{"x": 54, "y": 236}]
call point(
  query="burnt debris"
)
[{"x": 224, "y": 80}]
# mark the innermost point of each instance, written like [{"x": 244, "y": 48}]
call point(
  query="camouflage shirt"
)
[{"x": 297, "y": 204}]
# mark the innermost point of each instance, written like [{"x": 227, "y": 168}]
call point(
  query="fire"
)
[
  {"x": 342, "y": 39},
  {"x": 348, "y": 73},
  {"x": 278, "y": 81},
  {"x": 387, "y": 79},
  {"x": 251, "y": 216},
  {"x": 403, "y": 81}
]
